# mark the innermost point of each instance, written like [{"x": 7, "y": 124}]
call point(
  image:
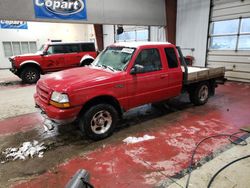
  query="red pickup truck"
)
[
  {"x": 123, "y": 76},
  {"x": 54, "y": 56}
]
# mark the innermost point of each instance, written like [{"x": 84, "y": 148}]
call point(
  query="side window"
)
[
  {"x": 72, "y": 48},
  {"x": 149, "y": 59},
  {"x": 88, "y": 47},
  {"x": 171, "y": 57},
  {"x": 50, "y": 50},
  {"x": 58, "y": 49}
]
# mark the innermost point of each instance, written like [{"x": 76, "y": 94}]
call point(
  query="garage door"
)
[
  {"x": 132, "y": 34},
  {"x": 229, "y": 38}
]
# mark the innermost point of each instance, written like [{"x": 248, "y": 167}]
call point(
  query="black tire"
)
[
  {"x": 199, "y": 95},
  {"x": 99, "y": 121},
  {"x": 30, "y": 75}
]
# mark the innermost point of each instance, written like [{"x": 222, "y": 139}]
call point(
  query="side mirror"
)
[
  {"x": 137, "y": 69},
  {"x": 44, "y": 53}
]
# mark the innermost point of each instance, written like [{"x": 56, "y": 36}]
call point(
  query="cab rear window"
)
[{"x": 171, "y": 57}]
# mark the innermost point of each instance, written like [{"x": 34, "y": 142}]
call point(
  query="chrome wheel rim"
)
[
  {"x": 101, "y": 122},
  {"x": 203, "y": 93}
]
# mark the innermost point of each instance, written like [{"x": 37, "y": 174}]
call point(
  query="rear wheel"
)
[
  {"x": 30, "y": 75},
  {"x": 99, "y": 121},
  {"x": 199, "y": 95}
]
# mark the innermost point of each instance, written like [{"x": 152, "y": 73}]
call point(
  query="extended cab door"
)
[
  {"x": 150, "y": 85},
  {"x": 175, "y": 75}
]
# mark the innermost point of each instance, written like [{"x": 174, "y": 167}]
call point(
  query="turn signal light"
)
[{"x": 59, "y": 105}]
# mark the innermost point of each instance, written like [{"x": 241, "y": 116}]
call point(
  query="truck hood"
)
[
  {"x": 82, "y": 77},
  {"x": 27, "y": 55}
]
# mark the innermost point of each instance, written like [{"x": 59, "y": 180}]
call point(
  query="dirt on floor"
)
[{"x": 67, "y": 141}]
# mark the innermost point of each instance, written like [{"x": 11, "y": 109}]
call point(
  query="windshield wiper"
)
[
  {"x": 107, "y": 67},
  {"x": 111, "y": 68},
  {"x": 99, "y": 66}
]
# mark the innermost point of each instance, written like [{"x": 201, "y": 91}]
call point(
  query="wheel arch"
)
[
  {"x": 86, "y": 58},
  {"x": 193, "y": 86},
  {"x": 107, "y": 99},
  {"x": 30, "y": 63}
]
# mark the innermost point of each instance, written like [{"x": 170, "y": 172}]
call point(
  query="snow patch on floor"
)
[
  {"x": 132, "y": 140},
  {"x": 26, "y": 150}
]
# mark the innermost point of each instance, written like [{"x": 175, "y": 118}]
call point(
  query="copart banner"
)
[
  {"x": 60, "y": 9},
  {"x": 6, "y": 24}
]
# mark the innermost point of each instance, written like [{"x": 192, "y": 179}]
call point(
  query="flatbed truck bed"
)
[{"x": 197, "y": 74}]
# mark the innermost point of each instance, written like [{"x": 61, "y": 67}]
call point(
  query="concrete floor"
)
[
  {"x": 236, "y": 175},
  {"x": 160, "y": 162},
  {"x": 16, "y": 98}
]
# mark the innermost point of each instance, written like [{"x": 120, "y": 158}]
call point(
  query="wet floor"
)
[
  {"x": 71, "y": 134},
  {"x": 67, "y": 142}
]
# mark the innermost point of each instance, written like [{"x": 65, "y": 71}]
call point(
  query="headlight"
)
[
  {"x": 59, "y": 100},
  {"x": 59, "y": 97}
]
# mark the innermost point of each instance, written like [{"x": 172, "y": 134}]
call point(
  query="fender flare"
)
[
  {"x": 29, "y": 61},
  {"x": 86, "y": 57}
]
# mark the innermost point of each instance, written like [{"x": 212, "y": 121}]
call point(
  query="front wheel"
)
[
  {"x": 200, "y": 94},
  {"x": 99, "y": 121},
  {"x": 30, "y": 75}
]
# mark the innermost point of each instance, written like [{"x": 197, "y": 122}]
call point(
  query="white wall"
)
[
  {"x": 42, "y": 32},
  {"x": 108, "y": 35},
  {"x": 192, "y": 26},
  {"x": 157, "y": 34}
]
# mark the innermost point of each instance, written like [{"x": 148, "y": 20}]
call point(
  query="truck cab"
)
[
  {"x": 123, "y": 76},
  {"x": 51, "y": 57}
]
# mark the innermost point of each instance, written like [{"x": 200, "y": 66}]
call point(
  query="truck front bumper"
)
[
  {"x": 59, "y": 116},
  {"x": 14, "y": 70}
]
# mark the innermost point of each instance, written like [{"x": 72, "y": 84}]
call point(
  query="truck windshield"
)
[
  {"x": 41, "y": 48},
  {"x": 114, "y": 58}
]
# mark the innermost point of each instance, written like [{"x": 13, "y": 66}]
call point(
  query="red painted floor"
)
[
  {"x": 142, "y": 164},
  {"x": 20, "y": 123}
]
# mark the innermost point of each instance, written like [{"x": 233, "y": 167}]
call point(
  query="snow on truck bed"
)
[{"x": 202, "y": 73}]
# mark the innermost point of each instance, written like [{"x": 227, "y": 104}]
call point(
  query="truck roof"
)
[
  {"x": 138, "y": 44},
  {"x": 75, "y": 42}
]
